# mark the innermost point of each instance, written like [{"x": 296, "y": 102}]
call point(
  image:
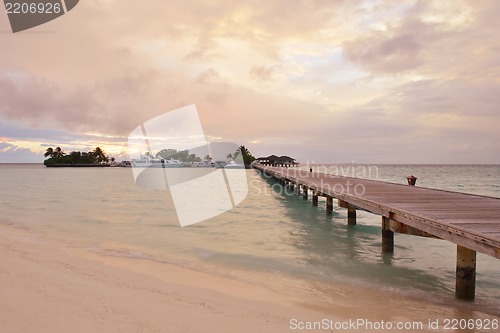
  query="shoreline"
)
[
  {"x": 77, "y": 165},
  {"x": 47, "y": 287}
]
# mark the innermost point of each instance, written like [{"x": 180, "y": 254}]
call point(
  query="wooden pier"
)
[{"x": 472, "y": 222}]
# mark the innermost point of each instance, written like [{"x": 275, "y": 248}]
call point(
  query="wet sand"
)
[{"x": 47, "y": 287}]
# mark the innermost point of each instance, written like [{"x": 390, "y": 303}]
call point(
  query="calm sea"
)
[{"x": 270, "y": 233}]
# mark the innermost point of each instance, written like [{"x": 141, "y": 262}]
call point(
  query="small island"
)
[{"x": 58, "y": 158}]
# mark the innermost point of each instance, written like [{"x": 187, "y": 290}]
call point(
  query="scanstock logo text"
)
[{"x": 26, "y": 14}]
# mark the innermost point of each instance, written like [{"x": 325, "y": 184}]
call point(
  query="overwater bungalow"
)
[{"x": 273, "y": 160}]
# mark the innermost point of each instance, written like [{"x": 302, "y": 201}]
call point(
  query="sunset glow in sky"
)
[{"x": 321, "y": 80}]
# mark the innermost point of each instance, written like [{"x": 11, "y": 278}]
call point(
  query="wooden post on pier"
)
[
  {"x": 304, "y": 194},
  {"x": 351, "y": 216},
  {"x": 351, "y": 212},
  {"x": 315, "y": 198},
  {"x": 329, "y": 204},
  {"x": 465, "y": 287},
  {"x": 387, "y": 236}
]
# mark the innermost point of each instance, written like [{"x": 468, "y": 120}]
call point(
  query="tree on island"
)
[
  {"x": 98, "y": 153},
  {"x": 54, "y": 153},
  {"x": 58, "y": 157},
  {"x": 248, "y": 158},
  {"x": 183, "y": 155},
  {"x": 49, "y": 152},
  {"x": 76, "y": 156},
  {"x": 58, "y": 152}
]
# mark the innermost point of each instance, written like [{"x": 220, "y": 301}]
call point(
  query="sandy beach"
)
[{"x": 49, "y": 289}]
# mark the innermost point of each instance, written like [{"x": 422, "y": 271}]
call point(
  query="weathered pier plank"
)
[{"x": 472, "y": 222}]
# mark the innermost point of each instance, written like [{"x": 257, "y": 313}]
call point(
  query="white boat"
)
[
  {"x": 205, "y": 164},
  {"x": 146, "y": 161},
  {"x": 230, "y": 165}
]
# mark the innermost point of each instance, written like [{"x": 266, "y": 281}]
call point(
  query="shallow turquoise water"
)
[{"x": 270, "y": 231}]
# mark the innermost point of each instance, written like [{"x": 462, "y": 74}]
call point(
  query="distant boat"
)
[
  {"x": 154, "y": 162},
  {"x": 229, "y": 165},
  {"x": 205, "y": 164}
]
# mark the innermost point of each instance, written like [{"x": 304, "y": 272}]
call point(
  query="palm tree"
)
[
  {"x": 49, "y": 152},
  {"x": 229, "y": 157},
  {"x": 248, "y": 158},
  {"x": 99, "y": 154},
  {"x": 208, "y": 158},
  {"x": 58, "y": 152}
]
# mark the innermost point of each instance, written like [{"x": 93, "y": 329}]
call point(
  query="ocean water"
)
[{"x": 271, "y": 233}]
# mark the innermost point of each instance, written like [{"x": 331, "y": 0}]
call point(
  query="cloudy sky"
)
[{"x": 335, "y": 81}]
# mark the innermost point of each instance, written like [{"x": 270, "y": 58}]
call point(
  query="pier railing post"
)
[
  {"x": 465, "y": 287},
  {"x": 412, "y": 180},
  {"x": 329, "y": 204},
  {"x": 387, "y": 236}
]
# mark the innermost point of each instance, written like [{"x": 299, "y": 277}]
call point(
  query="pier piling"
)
[
  {"x": 351, "y": 216},
  {"x": 387, "y": 236},
  {"x": 465, "y": 286},
  {"x": 351, "y": 212},
  {"x": 315, "y": 198},
  {"x": 329, "y": 204}
]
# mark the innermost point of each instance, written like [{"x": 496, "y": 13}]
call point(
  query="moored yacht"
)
[{"x": 146, "y": 161}]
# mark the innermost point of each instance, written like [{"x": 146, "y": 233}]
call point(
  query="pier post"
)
[
  {"x": 351, "y": 212},
  {"x": 351, "y": 216},
  {"x": 387, "y": 236},
  {"x": 329, "y": 204},
  {"x": 465, "y": 287},
  {"x": 315, "y": 198},
  {"x": 412, "y": 180},
  {"x": 304, "y": 194}
]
